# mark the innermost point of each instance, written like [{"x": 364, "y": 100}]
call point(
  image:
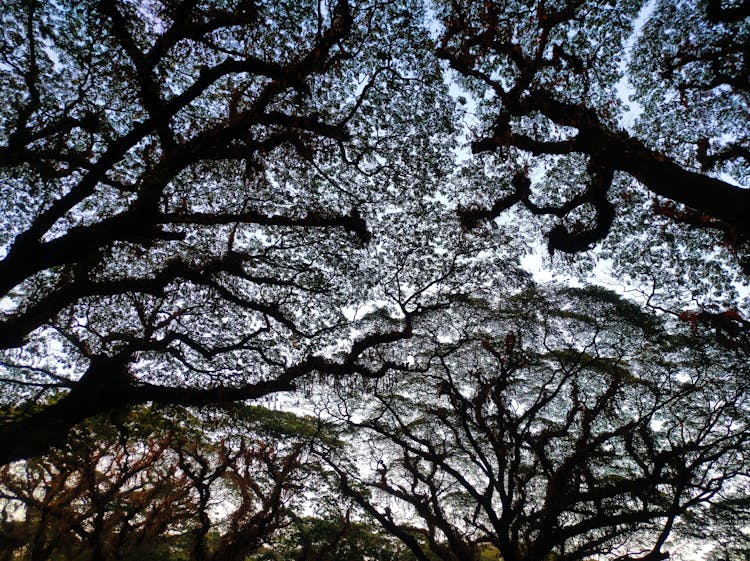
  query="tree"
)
[
  {"x": 565, "y": 424},
  {"x": 549, "y": 72},
  {"x": 337, "y": 536},
  {"x": 192, "y": 193},
  {"x": 184, "y": 193},
  {"x": 211, "y": 202},
  {"x": 665, "y": 199},
  {"x": 160, "y": 487}
]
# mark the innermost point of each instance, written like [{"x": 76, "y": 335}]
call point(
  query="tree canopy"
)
[
  {"x": 174, "y": 486},
  {"x": 553, "y": 73},
  {"x": 206, "y": 203},
  {"x": 570, "y": 425},
  {"x": 184, "y": 190}
]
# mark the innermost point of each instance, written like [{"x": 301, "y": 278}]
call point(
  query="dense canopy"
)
[{"x": 350, "y": 207}]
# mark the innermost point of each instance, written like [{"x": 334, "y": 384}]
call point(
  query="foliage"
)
[
  {"x": 657, "y": 191},
  {"x": 546, "y": 76},
  {"x": 204, "y": 204},
  {"x": 159, "y": 485},
  {"x": 332, "y": 538},
  {"x": 575, "y": 426},
  {"x": 193, "y": 192}
]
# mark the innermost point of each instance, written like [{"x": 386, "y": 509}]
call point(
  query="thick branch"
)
[{"x": 108, "y": 384}]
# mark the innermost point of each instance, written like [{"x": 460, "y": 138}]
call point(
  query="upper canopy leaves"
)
[
  {"x": 189, "y": 195},
  {"x": 549, "y": 83}
]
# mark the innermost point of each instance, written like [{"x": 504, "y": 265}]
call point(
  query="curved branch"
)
[{"x": 108, "y": 385}]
